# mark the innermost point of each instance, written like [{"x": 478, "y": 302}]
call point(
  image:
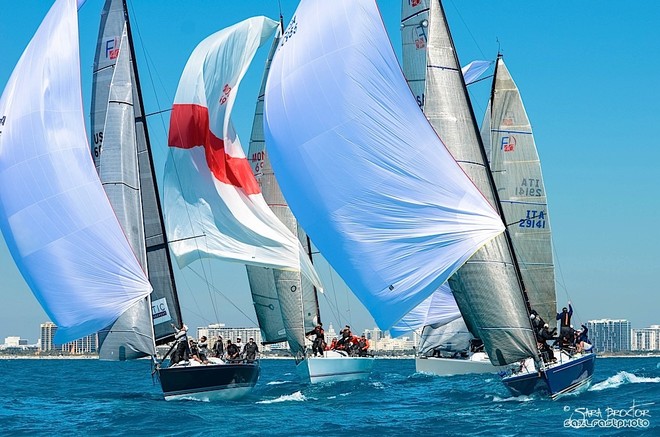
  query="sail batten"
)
[{"x": 362, "y": 170}]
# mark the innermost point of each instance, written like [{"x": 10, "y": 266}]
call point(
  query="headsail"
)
[
  {"x": 56, "y": 219},
  {"x": 517, "y": 173},
  {"x": 214, "y": 206},
  {"x": 438, "y": 309},
  {"x": 361, "y": 168},
  {"x": 123, "y": 159},
  {"x": 445, "y": 337},
  {"x": 285, "y": 301},
  {"x": 486, "y": 288}
]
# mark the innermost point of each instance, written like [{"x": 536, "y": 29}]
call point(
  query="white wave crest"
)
[
  {"x": 277, "y": 382},
  {"x": 513, "y": 399},
  {"x": 297, "y": 396},
  {"x": 620, "y": 379}
]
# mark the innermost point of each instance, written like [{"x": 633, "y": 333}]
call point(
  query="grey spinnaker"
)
[
  {"x": 516, "y": 170},
  {"x": 486, "y": 287},
  {"x": 450, "y": 337}
]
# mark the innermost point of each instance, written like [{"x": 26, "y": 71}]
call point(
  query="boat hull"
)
[
  {"x": 210, "y": 382},
  {"x": 335, "y": 367},
  {"x": 454, "y": 366},
  {"x": 557, "y": 379}
]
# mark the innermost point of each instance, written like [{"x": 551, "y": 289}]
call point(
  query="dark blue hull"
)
[
  {"x": 220, "y": 381},
  {"x": 556, "y": 380}
]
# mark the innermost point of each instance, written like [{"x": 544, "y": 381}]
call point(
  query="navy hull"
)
[
  {"x": 210, "y": 382},
  {"x": 556, "y": 380}
]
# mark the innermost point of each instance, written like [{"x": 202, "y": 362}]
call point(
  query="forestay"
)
[
  {"x": 213, "y": 205},
  {"x": 55, "y": 216},
  {"x": 362, "y": 170},
  {"x": 486, "y": 288},
  {"x": 517, "y": 173}
]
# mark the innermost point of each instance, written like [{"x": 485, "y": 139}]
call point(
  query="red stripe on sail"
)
[{"x": 189, "y": 127}]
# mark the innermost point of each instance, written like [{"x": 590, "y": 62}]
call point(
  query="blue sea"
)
[{"x": 91, "y": 397}]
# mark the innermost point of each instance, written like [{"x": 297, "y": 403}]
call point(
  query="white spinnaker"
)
[
  {"x": 55, "y": 216},
  {"x": 360, "y": 166}
]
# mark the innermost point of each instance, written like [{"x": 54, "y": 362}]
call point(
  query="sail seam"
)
[{"x": 414, "y": 15}]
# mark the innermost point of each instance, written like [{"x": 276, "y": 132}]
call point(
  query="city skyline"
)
[{"x": 593, "y": 129}]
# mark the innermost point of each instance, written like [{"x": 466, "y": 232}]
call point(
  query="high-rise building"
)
[
  {"x": 48, "y": 331},
  {"x": 646, "y": 339},
  {"x": 83, "y": 345},
  {"x": 609, "y": 335}
]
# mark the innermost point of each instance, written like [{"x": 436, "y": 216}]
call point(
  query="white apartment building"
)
[{"x": 646, "y": 339}]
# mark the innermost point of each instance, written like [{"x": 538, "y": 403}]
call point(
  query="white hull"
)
[
  {"x": 477, "y": 363},
  {"x": 335, "y": 367}
]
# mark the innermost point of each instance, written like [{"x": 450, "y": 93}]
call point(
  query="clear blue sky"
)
[{"x": 587, "y": 75}]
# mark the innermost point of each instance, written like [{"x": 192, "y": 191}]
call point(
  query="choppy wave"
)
[
  {"x": 297, "y": 397},
  {"x": 513, "y": 399},
  {"x": 621, "y": 378},
  {"x": 278, "y": 382}
]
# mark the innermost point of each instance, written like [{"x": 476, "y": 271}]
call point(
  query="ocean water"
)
[{"x": 91, "y": 397}]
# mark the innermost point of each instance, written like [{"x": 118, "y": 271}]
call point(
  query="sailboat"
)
[
  {"x": 122, "y": 154},
  {"x": 393, "y": 211},
  {"x": 286, "y": 302},
  {"x": 289, "y": 292},
  {"x": 76, "y": 257},
  {"x": 516, "y": 169},
  {"x": 430, "y": 64},
  {"x": 390, "y": 209}
]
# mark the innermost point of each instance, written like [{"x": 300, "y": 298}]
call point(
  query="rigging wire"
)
[{"x": 216, "y": 290}]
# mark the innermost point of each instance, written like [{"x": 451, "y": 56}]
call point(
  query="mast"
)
[{"x": 158, "y": 246}]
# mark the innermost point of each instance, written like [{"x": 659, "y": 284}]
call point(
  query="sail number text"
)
[
  {"x": 534, "y": 219},
  {"x": 98, "y": 143},
  {"x": 530, "y": 187}
]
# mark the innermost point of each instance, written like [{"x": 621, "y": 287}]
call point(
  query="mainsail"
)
[
  {"x": 486, "y": 288},
  {"x": 517, "y": 173},
  {"x": 362, "y": 170},
  {"x": 285, "y": 301},
  {"x": 123, "y": 159},
  {"x": 56, "y": 219}
]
